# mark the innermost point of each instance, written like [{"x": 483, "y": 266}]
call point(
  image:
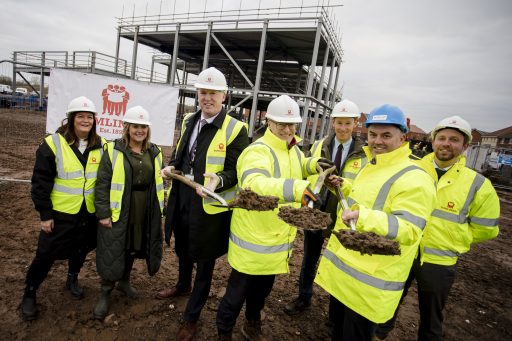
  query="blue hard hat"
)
[{"x": 387, "y": 114}]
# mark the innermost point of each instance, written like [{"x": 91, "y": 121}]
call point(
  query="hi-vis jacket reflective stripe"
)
[
  {"x": 260, "y": 243},
  {"x": 394, "y": 198},
  {"x": 467, "y": 212},
  {"x": 73, "y": 184},
  {"x": 118, "y": 180},
  {"x": 216, "y": 156}
]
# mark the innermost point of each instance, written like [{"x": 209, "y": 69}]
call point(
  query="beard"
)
[{"x": 445, "y": 155}]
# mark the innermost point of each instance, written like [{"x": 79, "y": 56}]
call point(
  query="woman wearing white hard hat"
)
[
  {"x": 129, "y": 203},
  {"x": 63, "y": 184},
  {"x": 260, "y": 243}
]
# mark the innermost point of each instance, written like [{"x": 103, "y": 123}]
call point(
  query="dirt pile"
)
[
  {"x": 305, "y": 218},
  {"x": 367, "y": 243},
  {"x": 251, "y": 201}
]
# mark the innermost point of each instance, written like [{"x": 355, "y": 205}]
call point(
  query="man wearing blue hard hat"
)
[{"x": 392, "y": 197}]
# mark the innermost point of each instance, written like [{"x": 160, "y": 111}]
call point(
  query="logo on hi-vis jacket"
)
[
  {"x": 221, "y": 148},
  {"x": 93, "y": 160},
  {"x": 450, "y": 206}
]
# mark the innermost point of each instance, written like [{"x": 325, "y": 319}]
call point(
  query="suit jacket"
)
[{"x": 198, "y": 235}]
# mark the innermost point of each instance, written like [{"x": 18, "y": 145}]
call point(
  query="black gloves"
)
[
  {"x": 324, "y": 164},
  {"x": 308, "y": 196}
]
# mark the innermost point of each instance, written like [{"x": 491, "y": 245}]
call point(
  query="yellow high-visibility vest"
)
[
  {"x": 117, "y": 184},
  {"x": 73, "y": 184}
]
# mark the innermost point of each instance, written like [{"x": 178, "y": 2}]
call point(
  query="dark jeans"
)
[
  {"x": 349, "y": 325},
  {"x": 434, "y": 284},
  {"x": 251, "y": 289},
  {"x": 202, "y": 284},
  {"x": 313, "y": 241}
]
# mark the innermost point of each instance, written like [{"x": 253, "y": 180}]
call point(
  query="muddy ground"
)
[{"x": 479, "y": 307}]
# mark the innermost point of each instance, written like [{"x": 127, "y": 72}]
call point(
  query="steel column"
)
[
  {"x": 256, "y": 88},
  {"x": 326, "y": 99},
  {"x": 118, "y": 42},
  {"x": 320, "y": 93},
  {"x": 207, "y": 45},
  {"x": 311, "y": 75},
  {"x": 175, "y": 53},
  {"x": 134, "y": 55}
]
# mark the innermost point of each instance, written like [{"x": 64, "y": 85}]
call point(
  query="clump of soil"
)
[
  {"x": 305, "y": 218},
  {"x": 252, "y": 201},
  {"x": 368, "y": 243}
]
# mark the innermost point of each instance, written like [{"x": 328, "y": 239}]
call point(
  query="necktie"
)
[
  {"x": 337, "y": 158},
  {"x": 194, "y": 145}
]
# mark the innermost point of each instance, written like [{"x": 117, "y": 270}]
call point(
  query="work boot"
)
[
  {"x": 28, "y": 305},
  {"x": 297, "y": 306},
  {"x": 101, "y": 309},
  {"x": 251, "y": 330},
  {"x": 171, "y": 293},
  {"x": 72, "y": 285},
  {"x": 187, "y": 331}
]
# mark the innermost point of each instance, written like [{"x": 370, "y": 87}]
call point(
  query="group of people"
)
[{"x": 110, "y": 196}]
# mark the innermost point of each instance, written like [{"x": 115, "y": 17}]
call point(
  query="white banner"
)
[{"x": 112, "y": 96}]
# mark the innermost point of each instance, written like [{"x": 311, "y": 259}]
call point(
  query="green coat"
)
[{"x": 110, "y": 252}]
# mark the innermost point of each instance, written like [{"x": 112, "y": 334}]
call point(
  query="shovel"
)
[
  {"x": 320, "y": 182},
  {"x": 344, "y": 205},
  {"x": 364, "y": 242},
  {"x": 177, "y": 176}
]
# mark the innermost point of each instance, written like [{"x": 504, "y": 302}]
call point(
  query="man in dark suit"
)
[{"x": 207, "y": 152}]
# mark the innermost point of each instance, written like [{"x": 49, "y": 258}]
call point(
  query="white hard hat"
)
[
  {"x": 212, "y": 79},
  {"x": 346, "y": 108},
  {"x": 137, "y": 115},
  {"x": 455, "y": 122},
  {"x": 283, "y": 109},
  {"x": 81, "y": 103}
]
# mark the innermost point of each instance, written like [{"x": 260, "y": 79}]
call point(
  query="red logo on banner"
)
[{"x": 115, "y": 99}]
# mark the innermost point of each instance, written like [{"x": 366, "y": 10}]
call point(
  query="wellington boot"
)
[
  {"x": 74, "y": 288},
  {"x": 101, "y": 309},
  {"x": 126, "y": 288}
]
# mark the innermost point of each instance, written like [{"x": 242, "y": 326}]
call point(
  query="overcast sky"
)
[{"x": 430, "y": 58}]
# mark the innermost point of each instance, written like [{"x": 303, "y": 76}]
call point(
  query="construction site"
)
[{"x": 264, "y": 53}]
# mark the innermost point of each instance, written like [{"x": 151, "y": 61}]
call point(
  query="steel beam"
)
[
  {"x": 256, "y": 88},
  {"x": 311, "y": 75},
  {"x": 134, "y": 53}
]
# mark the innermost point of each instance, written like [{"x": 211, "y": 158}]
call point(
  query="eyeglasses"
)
[{"x": 282, "y": 126}]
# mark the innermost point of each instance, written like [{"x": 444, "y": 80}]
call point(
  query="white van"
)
[{"x": 5, "y": 89}]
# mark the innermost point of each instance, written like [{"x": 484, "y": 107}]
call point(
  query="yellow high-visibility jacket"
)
[
  {"x": 395, "y": 198},
  {"x": 467, "y": 211},
  {"x": 73, "y": 184},
  {"x": 260, "y": 243}
]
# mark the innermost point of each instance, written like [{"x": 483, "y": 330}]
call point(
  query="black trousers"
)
[
  {"x": 313, "y": 241},
  {"x": 72, "y": 238},
  {"x": 434, "y": 284},
  {"x": 202, "y": 284},
  {"x": 349, "y": 325},
  {"x": 251, "y": 289}
]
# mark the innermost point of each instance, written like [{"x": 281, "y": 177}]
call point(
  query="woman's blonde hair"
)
[{"x": 126, "y": 136}]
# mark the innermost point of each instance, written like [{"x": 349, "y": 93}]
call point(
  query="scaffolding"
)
[{"x": 264, "y": 52}]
